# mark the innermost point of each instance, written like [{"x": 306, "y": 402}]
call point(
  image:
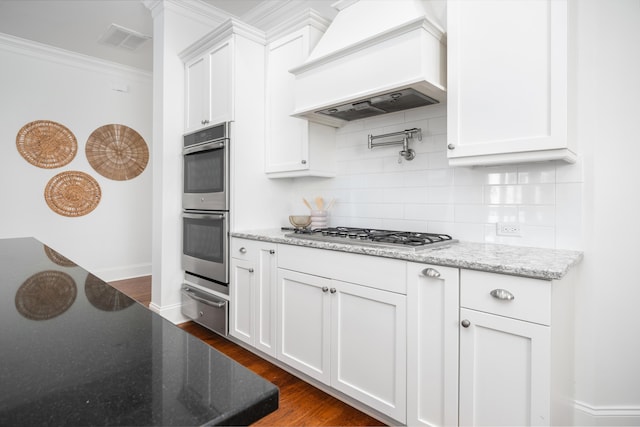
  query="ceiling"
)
[{"x": 77, "y": 25}]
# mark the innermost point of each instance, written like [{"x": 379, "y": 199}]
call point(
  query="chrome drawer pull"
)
[
  {"x": 217, "y": 303},
  {"x": 242, "y": 250},
  {"x": 430, "y": 272},
  {"x": 502, "y": 294}
]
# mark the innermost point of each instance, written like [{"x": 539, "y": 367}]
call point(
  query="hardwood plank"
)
[{"x": 301, "y": 404}]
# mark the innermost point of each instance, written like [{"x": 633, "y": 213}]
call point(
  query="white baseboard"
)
[
  {"x": 172, "y": 313},
  {"x": 592, "y": 415},
  {"x": 120, "y": 273}
]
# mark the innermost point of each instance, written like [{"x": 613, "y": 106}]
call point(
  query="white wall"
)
[
  {"x": 41, "y": 83},
  {"x": 373, "y": 189}
]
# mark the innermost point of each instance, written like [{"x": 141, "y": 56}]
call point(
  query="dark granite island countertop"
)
[{"x": 75, "y": 351}]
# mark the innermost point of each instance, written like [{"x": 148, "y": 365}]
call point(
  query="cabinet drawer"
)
[
  {"x": 376, "y": 272},
  {"x": 531, "y": 297},
  {"x": 248, "y": 249}
]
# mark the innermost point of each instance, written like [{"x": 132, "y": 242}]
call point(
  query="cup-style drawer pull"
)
[
  {"x": 502, "y": 294},
  {"x": 430, "y": 272}
]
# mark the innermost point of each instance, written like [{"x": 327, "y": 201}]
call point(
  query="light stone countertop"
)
[{"x": 537, "y": 263}]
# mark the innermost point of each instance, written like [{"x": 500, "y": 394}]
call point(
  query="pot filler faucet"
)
[{"x": 406, "y": 152}]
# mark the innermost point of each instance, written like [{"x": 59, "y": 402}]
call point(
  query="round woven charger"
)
[
  {"x": 72, "y": 193},
  {"x": 56, "y": 258},
  {"x": 46, "y": 295},
  {"x": 117, "y": 152},
  {"x": 46, "y": 144},
  {"x": 103, "y": 296}
]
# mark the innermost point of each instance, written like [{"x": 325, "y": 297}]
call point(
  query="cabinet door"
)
[
  {"x": 304, "y": 323},
  {"x": 507, "y": 81},
  {"x": 241, "y": 294},
  {"x": 368, "y": 346},
  {"x": 265, "y": 300},
  {"x": 432, "y": 345},
  {"x": 504, "y": 371},
  {"x": 196, "y": 93},
  {"x": 221, "y": 83},
  {"x": 287, "y": 143}
]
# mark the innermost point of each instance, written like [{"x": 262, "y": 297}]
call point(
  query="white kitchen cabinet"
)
[
  {"x": 294, "y": 147},
  {"x": 516, "y": 354},
  {"x": 252, "y": 294},
  {"x": 432, "y": 345},
  {"x": 303, "y": 323},
  {"x": 209, "y": 85},
  {"x": 350, "y": 336},
  {"x": 215, "y": 71},
  {"x": 507, "y": 82}
]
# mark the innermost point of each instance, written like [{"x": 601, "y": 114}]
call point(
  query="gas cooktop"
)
[{"x": 407, "y": 240}]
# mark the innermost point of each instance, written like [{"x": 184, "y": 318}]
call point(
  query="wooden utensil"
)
[
  {"x": 330, "y": 205},
  {"x": 307, "y": 204},
  {"x": 319, "y": 203}
]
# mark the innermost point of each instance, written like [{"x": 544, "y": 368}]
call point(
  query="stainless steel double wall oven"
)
[{"x": 205, "y": 223}]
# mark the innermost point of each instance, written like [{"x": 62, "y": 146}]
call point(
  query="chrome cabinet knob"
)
[
  {"x": 201, "y": 314},
  {"x": 451, "y": 147},
  {"x": 430, "y": 272},
  {"x": 204, "y": 122},
  {"x": 325, "y": 289},
  {"x": 304, "y": 162},
  {"x": 242, "y": 250},
  {"x": 465, "y": 323},
  {"x": 271, "y": 251},
  {"x": 333, "y": 290},
  {"x": 502, "y": 294},
  {"x": 251, "y": 270}
]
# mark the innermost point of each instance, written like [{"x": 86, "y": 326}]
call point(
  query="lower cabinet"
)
[
  {"x": 516, "y": 350},
  {"x": 424, "y": 345},
  {"x": 346, "y": 335},
  {"x": 432, "y": 345},
  {"x": 504, "y": 371},
  {"x": 252, "y": 294}
]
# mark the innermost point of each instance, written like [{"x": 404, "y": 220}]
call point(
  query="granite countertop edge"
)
[{"x": 537, "y": 263}]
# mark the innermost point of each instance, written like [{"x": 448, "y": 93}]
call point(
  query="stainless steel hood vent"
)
[
  {"x": 376, "y": 57},
  {"x": 381, "y": 104}
]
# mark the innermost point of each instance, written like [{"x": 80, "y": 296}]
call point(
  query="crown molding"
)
[
  {"x": 307, "y": 17},
  {"x": 61, "y": 56}
]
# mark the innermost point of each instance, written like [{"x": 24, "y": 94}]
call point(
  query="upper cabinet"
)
[
  {"x": 213, "y": 70},
  {"x": 294, "y": 147},
  {"x": 507, "y": 82}
]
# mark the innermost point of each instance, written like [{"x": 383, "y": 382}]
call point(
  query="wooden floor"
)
[{"x": 301, "y": 404}]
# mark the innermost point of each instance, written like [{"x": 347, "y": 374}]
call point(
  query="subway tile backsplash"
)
[{"x": 379, "y": 189}]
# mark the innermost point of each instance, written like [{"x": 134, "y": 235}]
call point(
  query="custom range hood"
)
[{"x": 376, "y": 57}]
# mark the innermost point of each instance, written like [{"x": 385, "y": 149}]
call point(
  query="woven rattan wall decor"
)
[
  {"x": 117, "y": 152},
  {"x": 46, "y": 144},
  {"x": 72, "y": 193}
]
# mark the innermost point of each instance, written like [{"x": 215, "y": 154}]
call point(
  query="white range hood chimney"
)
[{"x": 377, "y": 56}]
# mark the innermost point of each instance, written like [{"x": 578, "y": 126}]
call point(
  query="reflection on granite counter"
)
[
  {"x": 75, "y": 351},
  {"x": 538, "y": 263}
]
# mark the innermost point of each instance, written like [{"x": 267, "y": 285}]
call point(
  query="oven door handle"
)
[
  {"x": 202, "y": 214},
  {"x": 217, "y": 303},
  {"x": 204, "y": 147}
]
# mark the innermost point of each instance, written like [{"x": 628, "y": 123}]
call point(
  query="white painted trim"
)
[
  {"x": 586, "y": 414},
  {"x": 125, "y": 272},
  {"x": 172, "y": 313},
  {"x": 61, "y": 56}
]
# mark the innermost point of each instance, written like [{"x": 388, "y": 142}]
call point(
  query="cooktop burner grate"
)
[{"x": 366, "y": 236}]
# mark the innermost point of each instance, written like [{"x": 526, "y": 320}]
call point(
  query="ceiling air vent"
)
[{"x": 123, "y": 37}]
